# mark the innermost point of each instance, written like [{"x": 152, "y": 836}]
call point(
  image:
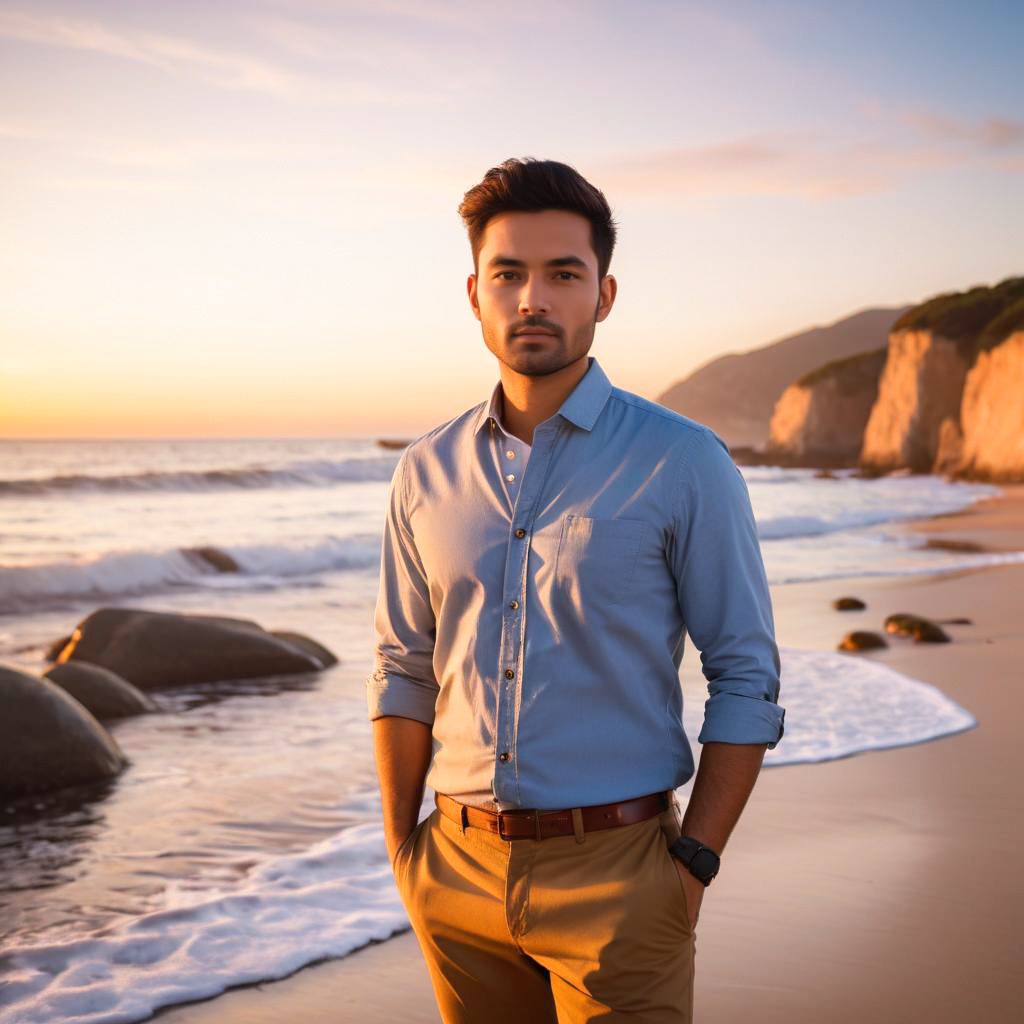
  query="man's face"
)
[{"x": 536, "y": 292}]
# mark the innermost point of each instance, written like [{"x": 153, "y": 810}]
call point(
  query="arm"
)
[
  {"x": 726, "y": 605},
  {"x": 401, "y": 748},
  {"x": 725, "y": 777},
  {"x": 402, "y": 688},
  {"x": 724, "y": 598}
]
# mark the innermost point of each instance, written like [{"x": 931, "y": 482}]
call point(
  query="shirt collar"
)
[
  {"x": 581, "y": 407},
  {"x": 494, "y": 407}
]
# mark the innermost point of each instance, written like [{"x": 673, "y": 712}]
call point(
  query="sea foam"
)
[
  {"x": 118, "y": 574},
  {"x": 298, "y": 473},
  {"x": 339, "y": 894}
]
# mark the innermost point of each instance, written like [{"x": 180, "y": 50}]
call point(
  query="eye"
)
[
  {"x": 505, "y": 275},
  {"x": 566, "y": 275}
]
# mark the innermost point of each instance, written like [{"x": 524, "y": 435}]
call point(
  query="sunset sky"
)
[{"x": 230, "y": 219}]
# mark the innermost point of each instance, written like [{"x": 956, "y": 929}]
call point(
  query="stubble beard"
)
[{"x": 548, "y": 357}]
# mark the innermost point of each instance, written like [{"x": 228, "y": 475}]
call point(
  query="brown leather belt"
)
[{"x": 529, "y": 824}]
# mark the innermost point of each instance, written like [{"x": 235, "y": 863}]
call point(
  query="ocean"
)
[{"x": 242, "y": 842}]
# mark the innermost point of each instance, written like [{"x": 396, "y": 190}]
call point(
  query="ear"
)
[
  {"x": 471, "y": 291},
  {"x": 608, "y": 290}
]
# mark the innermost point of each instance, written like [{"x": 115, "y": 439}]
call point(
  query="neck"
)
[{"x": 528, "y": 401}]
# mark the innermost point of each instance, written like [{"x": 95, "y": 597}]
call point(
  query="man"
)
[{"x": 543, "y": 555}]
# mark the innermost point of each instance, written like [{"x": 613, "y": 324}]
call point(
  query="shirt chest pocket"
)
[{"x": 597, "y": 558}]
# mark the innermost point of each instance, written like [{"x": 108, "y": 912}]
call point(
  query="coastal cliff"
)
[
  {"x": 992, "y": 414},
  {"x": 945, "y": 396},
  {"x": 920, "y": 387},
  {"x": 951, "y": 395},
  {"x": 735, "y": 394},
  {"x": 820, "y": 418}
]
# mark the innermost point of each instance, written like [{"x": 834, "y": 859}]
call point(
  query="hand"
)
[
  {"x": 694, "y": 889},
  {"x": 394, "y": 843}
]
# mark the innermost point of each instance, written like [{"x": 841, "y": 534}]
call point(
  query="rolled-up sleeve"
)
[
  {"x": 402, "y": 682},
  {"x": 724, "y": 597}
]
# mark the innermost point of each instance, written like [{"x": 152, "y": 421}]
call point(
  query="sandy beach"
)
[{"x": 879, "y": 887}]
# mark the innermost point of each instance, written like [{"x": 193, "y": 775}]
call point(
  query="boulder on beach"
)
[
  {"x": 48, "y": 740},
  {"x": 953, "y": 544},
  {"x": 103, "y": 693},
  {"x": 923, "y": 630},
  {"x": 848, "y": 604},
  {"x": 899, "y": 623},
  {"x": 862, "y": 640},
  {"x": 310, "y": 646},
  {"x": 53, "y": 651},
  {"x": 927, "y": 632},
  {"x": 161, "y": 649},
  {"x": 211, "y": 557}
]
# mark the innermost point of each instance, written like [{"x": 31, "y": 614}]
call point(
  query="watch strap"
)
[{"x": 701, "y": 861}]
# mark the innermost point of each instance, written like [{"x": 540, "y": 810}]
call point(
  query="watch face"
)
[{"x": 705, "y": 864}]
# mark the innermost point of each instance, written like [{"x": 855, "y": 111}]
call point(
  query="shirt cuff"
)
[
  {"x": 737, "y": 718},
  {"x": 388, "y": 693}
]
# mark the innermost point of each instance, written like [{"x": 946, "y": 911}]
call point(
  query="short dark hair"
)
[{"x": 530, "y": 185}]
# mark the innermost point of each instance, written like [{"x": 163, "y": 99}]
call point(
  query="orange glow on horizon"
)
[{"x": 229, "y": 224}]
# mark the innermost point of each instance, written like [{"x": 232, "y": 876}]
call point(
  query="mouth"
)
[{"x": 535, "y": 331}]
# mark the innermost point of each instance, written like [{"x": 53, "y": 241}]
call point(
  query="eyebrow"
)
[{"x": 560, "y": 261}]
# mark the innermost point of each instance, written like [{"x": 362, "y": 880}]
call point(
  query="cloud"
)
[
  {"x": 172, "y": 54},
  {"x": 808, "y": 166},
  {"x": 17, "y": 131},
  {"x": 453, "y": 15},
  {"x": 242, "y": 72},
  {"x": 369, "y": 46},
  {"x": 987, "y": 133}
]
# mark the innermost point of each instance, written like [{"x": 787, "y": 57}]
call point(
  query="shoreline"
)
[{"x": 879, "y": 886}]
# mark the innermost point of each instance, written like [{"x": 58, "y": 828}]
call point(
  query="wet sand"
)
[{"x": 883, "y": 887}]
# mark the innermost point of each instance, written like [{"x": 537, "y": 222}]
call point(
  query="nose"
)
[{"x": 533, "y": 299}]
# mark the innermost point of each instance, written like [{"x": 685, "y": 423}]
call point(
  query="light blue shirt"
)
[{"x": 540, "y": 632}]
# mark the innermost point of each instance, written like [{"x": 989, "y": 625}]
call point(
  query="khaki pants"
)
[{"x": 529, "y": 931}]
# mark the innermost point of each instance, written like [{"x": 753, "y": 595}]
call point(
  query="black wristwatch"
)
[{"x": 701, "y": 861}]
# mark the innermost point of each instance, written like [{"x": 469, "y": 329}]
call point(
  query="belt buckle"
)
[{"x": 504, "y": 815}]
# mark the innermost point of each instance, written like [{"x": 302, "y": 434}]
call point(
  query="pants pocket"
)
[
  {"x": 677, "y": 882},
  {"x": 404, "y": 852},
  {"x": 670, "y": 831}
]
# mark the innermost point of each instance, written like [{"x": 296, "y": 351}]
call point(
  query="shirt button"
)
[
  {"x": 515, "y": 604},
  {"x": 510, "y": 454},
  {"x": 509, "y": 674},
  {"x": 520, "y": 532},
  {"x": 510, "y": 476},
  {"x": 504, "y": 755}
]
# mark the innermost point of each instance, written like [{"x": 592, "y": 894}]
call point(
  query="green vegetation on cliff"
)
[
  {"x": 1011, "y": 319},
  {"x": 853, "y": 372},
  {"x": 977, "y": 318}
]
